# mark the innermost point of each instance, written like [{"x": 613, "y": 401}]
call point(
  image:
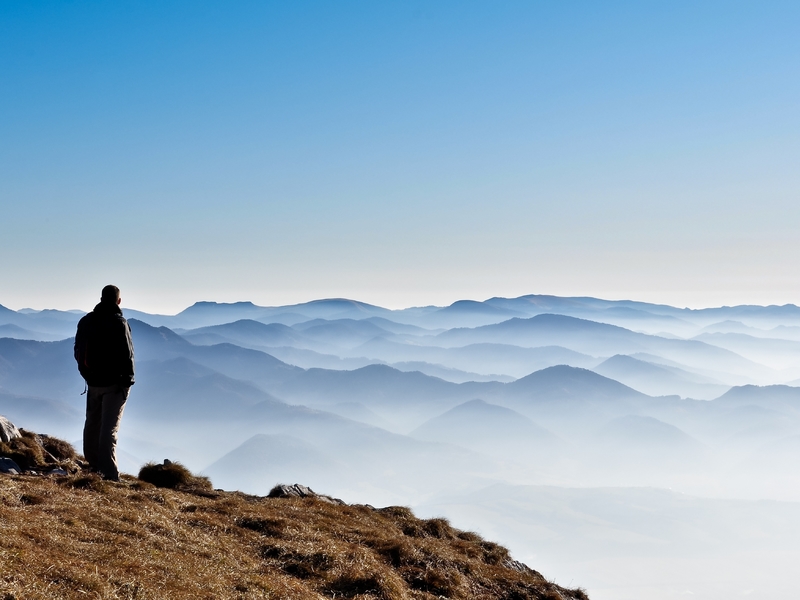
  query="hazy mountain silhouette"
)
[
  {"x": 40, "y": 369},
  {"x": 447, "y": 373},
  {"x": 15, "y": 331},
  {"x": 488, "y": 428},
  {"x": 204, "y": 314},
  {"x": 248, "y": 332},
  {"x": 547, "y": 330},
  {"x": 751, "y": 427},
  {"x": 569, "y": 400},
  {"x": 776, "y": 397},
  {"x": 635, "y": 433},
  {"x": 625, "y": 313},
  {"x": 240, "y": 363},
  {"x": 633, "y": 316},
  {"x": 57, "y": 323},
  {"x": 41, "y": 414},
  {"x": 778, "y": 352},
  {"x": 184, "y": 391},
  {"x": 345, "y": 333},
  {"x": 585, "y": 306},
  {"x": 730, "y": 326},
  {"x": 375, "y": 385},
  {"x": 754, "y": 315},
  {"x": 599, "y": 339},
  {"x": 485, "y": 359},
  {"x": 563, "y": 383},
  {"x": 358, "y": 412},
  {"x": 310, "y": 359},
  {"x": 398, "y": 327},
  {"x": 265, "y": 459},
  {"x": 156, "y": 343},
  {"x": 657, "y": 380},
  {"x": 542, "y": 303},
  {"x": 785, "y": 332},
  {"x": 468, "y": 313},
  {"x": 338, "y": 308}
]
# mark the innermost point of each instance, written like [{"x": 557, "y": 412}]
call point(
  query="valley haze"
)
[{"x": 610, "y": 444}]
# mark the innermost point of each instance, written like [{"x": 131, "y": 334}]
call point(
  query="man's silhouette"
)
[{"x": 104, "y": 351}]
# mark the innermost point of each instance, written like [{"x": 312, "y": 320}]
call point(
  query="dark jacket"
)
[{"x": 103, "y": 347}]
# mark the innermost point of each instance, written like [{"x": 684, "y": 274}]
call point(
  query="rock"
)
[
  {"x": 7, "y": 430},
  {"x": 9, "y": 466},
  {"x": 519, "y": 567},
  {"x": 300, "y": 491}
]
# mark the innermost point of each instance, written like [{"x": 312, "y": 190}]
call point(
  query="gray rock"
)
[
  {"x": 520, "y": 567},
  {"x": 300, "y": 491},
  {"x": 7, "y": 430},
  {"x": 9, "y": 467}
]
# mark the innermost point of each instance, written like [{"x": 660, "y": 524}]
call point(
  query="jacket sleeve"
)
[
  {"x": 127, "y": 366},
  {"x": 79, "y": 349}
]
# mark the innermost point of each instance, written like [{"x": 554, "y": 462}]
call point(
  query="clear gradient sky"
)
[{"x": 401, "y": 153}]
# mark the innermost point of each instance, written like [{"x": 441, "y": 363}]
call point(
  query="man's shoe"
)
[{"x": 111, "y": 477}]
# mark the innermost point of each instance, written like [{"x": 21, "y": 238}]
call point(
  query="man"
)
[{"x": 104, "y": 351}]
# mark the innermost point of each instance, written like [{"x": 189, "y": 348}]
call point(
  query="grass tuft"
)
[
  {"x": 267, "y": 527},
  {"x": 88, "y": 481},
  {"x": 58, "y": 449},
  {"x": 32, "y": 499},
  {"x": 173, "y": 475},
  {"x": 39, "y": 452}
]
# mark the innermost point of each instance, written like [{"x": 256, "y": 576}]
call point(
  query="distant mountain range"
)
[
  {"x": 566, "y": 390},
  {"x": 462, "y": 313}
]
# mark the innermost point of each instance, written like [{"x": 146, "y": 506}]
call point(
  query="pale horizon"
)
[{"x": 387, "y": 301}]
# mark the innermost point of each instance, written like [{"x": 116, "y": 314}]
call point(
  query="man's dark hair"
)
[{"x": 110, "y": 294}]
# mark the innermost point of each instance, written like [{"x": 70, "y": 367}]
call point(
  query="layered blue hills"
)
[{"x": 540, "y": 386}]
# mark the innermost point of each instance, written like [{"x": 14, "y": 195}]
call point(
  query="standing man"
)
[{"x": 104, "y": 351}]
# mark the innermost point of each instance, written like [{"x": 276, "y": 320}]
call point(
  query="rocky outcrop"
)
[
  {"x": 8, "y": 430},
  {"x": 300, "y": 491},
  {"x": 9, "y": 467}
]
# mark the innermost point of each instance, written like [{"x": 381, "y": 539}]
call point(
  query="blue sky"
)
[{"x": 401, "y": 153}]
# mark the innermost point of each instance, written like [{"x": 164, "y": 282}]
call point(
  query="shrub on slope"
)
[{"x": 173, "y": 475}]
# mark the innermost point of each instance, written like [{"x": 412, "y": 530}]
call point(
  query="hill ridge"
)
[{"x": 76, "y": 535}]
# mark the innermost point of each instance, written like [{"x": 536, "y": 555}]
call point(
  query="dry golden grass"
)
[{"x": 81, "y": 537}]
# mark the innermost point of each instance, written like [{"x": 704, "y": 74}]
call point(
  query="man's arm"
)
[
  {"x": 80, "y": 349},
  {"x": 127, "y": 366}
]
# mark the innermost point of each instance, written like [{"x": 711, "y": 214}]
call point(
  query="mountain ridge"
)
[{"x": 69, "y": 536}]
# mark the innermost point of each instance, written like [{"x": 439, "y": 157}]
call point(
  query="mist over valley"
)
[{"x": 592, "y": 437}]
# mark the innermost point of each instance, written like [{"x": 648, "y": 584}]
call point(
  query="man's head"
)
[{"x": 110, "y": 295}]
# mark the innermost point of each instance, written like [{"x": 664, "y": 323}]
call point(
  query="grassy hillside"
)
[{"x": 77, "y": 536}]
